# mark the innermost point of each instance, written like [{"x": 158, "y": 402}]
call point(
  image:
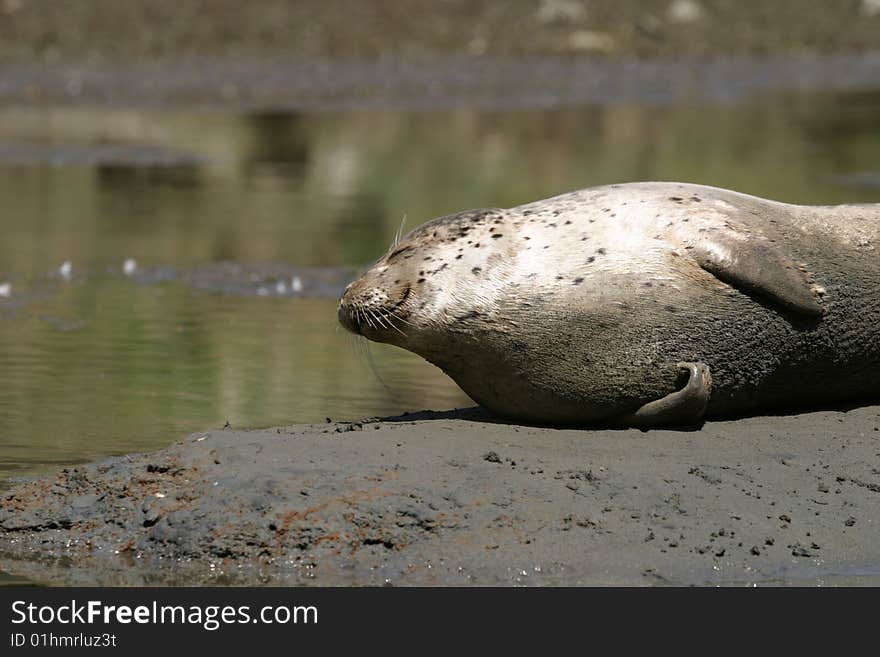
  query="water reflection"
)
[
  {"x": 110, "y": 364},
  {"x": 278, "y": 146},
  {"x": 123, "y": 177}
]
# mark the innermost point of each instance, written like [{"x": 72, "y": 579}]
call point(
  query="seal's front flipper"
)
[
  {"x": 686, "y": 406},
  {"x": 754, "y": 263}
]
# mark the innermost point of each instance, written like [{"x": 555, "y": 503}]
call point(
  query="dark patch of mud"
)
[{"x": 453, "y": 500}]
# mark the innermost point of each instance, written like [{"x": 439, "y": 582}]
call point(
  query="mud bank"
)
[
  {"x": 455, "y": 499},
  {"x": 282, "y": 84}
]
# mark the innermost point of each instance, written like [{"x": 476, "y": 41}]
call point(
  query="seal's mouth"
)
[{"x": 356, "y": 317}]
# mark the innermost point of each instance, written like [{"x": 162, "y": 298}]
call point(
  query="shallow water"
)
[{"x": 105, "y": 362}]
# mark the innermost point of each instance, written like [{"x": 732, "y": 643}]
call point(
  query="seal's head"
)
[{"x": 425, "y": 282}]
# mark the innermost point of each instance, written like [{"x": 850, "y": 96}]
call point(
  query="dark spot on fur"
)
[
  {"x": 671, "y": 309},
  {"x": 567, "y": 222},
  {"x": 591, "y": 259},
  {"x": 476, "y": 270},
  {"x": 496, "y": 236},
  {"x": 477, "y": 245},
  {"x": 527, "y": 212},
  {"x": 697, "y": 199},
  {"x": 577, "y": 281},
  {"x": 601, "y": 251},
  {"x": 526, "y": 237},
  {"x": 559, "y": 277},
  {"x": 583, "y": 239},
  {"x": 552, "y": 225},
  {"x": 458, "y": 257},
  {"x": 648, "y": 284},
  {"x": 397, "y": 282},
  {"x": 677, "y": 199},
  {"x": 421, "y": 280}
]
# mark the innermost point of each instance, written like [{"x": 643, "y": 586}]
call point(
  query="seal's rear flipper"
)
[
  {"x": 754, "y": 263},
  {"x": 686, "y": 406}
]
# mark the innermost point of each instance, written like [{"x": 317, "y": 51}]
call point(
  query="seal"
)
[{"x": 640, "y": 304}]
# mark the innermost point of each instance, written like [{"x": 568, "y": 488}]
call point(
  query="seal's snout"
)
[
  {"x": 367, "y": 308},
  {"x": 345, "y": 313}
]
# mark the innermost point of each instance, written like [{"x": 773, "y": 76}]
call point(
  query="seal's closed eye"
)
[{"x": 397, "y": 252}]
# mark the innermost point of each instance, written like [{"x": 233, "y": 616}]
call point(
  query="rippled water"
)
[{"x": 224, "y": 213}]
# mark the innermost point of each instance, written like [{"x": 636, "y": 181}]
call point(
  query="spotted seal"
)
[{"x": 639, "y": 304}]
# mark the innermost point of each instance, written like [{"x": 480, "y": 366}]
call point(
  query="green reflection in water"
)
[
  {"x": 109, "y": 366},
  {"x": 104, "y": 365}
]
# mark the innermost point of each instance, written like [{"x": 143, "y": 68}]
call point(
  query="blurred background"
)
[{"x": 186, "y": 185}]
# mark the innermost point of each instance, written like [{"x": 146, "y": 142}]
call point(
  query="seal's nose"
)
[{"x": 345, "y": 314}]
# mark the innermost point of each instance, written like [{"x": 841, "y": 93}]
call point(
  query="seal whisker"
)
[
  {"x": 395, "y": 326},
  {"x": 399, "y": 232},
  {"x": 375, "y": 370},
  {"x": 399, "y": 318},
  {"x": 378, "y": 319}
]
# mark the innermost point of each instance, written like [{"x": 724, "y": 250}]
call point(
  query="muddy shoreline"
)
[
  {"x": 138, "y": 30},
  {"x": 530, "y": 82},
  {"x": 457, "y": 499}
]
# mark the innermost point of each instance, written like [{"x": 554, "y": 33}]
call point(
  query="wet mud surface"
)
[{"x": 456, "y": 499}]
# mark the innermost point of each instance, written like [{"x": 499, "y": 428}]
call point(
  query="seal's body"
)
[{"x": 643, "y": 304}]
